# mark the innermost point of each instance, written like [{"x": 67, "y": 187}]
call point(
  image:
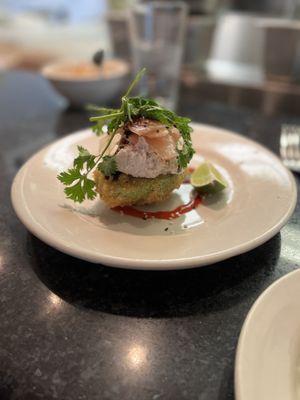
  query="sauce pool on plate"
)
[{"x": 172, "y": 214}]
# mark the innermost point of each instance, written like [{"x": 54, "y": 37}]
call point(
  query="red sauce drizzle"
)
[{"x": 183, "y": 209}]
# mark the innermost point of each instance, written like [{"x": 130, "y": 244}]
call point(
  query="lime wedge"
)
[{"x": 207, "y": 179}]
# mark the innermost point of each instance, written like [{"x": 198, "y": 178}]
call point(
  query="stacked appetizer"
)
[{"x": 144, "y": 152}]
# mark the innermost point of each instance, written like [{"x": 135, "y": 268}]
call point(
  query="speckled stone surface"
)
[{"x": 72, "y": 330}]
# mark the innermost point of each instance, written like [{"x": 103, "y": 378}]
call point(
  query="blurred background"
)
[{"x": 238, "y": 52}]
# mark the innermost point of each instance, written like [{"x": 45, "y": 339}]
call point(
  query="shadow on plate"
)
[
  {"x": 97, "y": 213},
  {"x": 216, "y": 201},
  {"x": 157, "y": 294}
]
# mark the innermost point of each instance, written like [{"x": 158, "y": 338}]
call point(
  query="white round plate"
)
[
  {"x": 268, "y": 355},
  {"x": 259, "y": 200}
]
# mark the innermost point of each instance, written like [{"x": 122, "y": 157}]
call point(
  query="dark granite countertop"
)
[{"x": 74, "y": 330}]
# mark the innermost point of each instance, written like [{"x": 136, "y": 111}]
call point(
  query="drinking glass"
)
[{"x": 157, "y": 31}]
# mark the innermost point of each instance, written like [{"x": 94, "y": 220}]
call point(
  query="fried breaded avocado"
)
[{"x": 127, "y": 190}]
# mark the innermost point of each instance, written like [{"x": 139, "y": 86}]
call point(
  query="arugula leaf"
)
[{"x": 108, "y": 166}]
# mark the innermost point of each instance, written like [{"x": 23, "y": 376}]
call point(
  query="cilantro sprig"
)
[
  {"x": 76, "y": 179},
  {"x": 78, "y": 185}
]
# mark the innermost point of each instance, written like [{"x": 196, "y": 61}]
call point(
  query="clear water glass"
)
[{"x": 157, "y": 31}]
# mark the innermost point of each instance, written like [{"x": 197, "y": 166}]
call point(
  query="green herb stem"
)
[
  {"x": 105, "y": 117},
  {"x": 134, "y": 82}
]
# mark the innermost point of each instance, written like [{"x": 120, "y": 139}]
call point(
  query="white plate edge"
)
[{"x": 244, "y": 331}]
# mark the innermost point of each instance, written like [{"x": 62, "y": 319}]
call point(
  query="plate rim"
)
[
  {"x": 142, "y": 264},
  {"x": 240, "y": 349}
]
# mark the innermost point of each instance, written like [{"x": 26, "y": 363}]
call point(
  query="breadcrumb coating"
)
[{"x": 126, "y": 190}]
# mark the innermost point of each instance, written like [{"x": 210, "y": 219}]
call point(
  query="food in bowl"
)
[
  {"x": 84, "y": 70},
  {"x": 83, "y": 82}
]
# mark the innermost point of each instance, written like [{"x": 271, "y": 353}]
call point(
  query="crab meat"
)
[
  {"x": 140, "y": 160},
  {"x": 146, "y": 148}
]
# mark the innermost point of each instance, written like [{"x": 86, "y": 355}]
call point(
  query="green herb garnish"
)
[
  {"x": 108, "y": 166},
  {"x": 78, "y": 185}
]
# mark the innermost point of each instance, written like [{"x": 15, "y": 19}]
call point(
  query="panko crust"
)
[{"x": 127, "y": 190}]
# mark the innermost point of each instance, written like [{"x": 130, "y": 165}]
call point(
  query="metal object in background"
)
[
  {"x": 280, "y": 8},
  {"x": 269, "y": 98},
  {"x": 290, "y": 146},
  {"x": 280, "y": 52},
  {"x": 254, "y": 59},
  {"x": 237, "y": 48},
  {"x": 252, "y": 49}
]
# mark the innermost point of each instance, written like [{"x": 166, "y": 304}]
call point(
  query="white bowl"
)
[
  {"x": 83, "y": 90},
  {"x": 10, "y": 56}
]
